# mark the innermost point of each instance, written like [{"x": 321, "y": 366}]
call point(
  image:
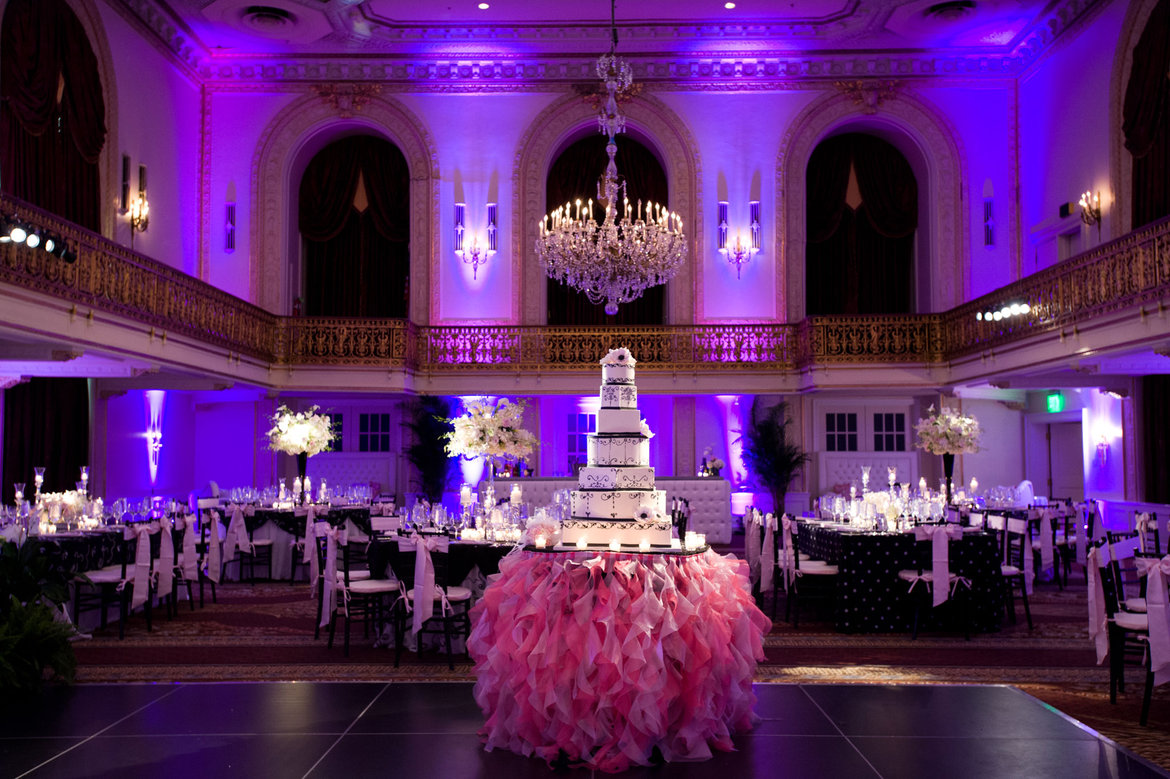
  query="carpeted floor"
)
[{"x": 265, "y": 632}]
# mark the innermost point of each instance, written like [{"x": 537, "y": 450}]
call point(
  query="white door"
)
[{"x": 1066, "y": 466}]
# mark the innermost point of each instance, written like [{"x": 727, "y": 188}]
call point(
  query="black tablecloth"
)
[
  {"x": 872, "y": 599},
  {"x": 294, "y": 523},
  {"x": 80, "y": 552},
  {"x": 461, "y": 558}
]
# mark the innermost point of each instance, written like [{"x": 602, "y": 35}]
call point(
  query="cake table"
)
[{"x": 602, "y": 657}]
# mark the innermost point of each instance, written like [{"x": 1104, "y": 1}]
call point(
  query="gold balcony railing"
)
[{"x": 1132, "y": 271}]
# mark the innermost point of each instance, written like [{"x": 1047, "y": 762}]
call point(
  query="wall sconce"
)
[
  {"x": 738, "y": 254},
  {"x": 1091, "y": 210},
  {"x": 139, "y": 211},
  {"x": 473, "y": 254},
  {"x": 1102, "y": 451}
]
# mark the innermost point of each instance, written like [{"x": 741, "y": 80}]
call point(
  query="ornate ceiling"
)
[{"x": 997, "y": 35}]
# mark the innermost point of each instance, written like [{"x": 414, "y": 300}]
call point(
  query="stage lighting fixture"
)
[{"x": 33, "y": 240}]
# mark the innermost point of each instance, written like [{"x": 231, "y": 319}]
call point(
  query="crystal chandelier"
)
[{"x": 635, "y": 246}]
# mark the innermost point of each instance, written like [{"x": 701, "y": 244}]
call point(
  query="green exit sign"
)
[{"x": 1055, "y": 402}]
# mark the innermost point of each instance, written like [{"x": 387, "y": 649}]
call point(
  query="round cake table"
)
[{"x": 604, "y": 657}]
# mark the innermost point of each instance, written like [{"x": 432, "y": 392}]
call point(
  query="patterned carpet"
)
[{"x": 265, "y": 632}]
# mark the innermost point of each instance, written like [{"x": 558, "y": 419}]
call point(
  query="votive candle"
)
[
  {"x": 644, "y": 545},
  {"x": 540, "y": 542},
  {"x": 581, "y": 543},
  {"x": 615, "y": 545},
  {"x": 516, "y": 495}
]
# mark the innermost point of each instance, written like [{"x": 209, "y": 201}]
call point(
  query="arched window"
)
[
  {"x": 574, "y": 174},
  {"x": 1146, "y": 119},
  {"x": 355, "y": 223},
  {"x": 52, "y": 113},
  {"x": 862, "y": 216}
]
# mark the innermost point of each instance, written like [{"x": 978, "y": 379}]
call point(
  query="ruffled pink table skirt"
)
[{"x": 606, "y": 656}]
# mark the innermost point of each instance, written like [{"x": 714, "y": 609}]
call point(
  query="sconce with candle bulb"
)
[
  {"x": 738, "y": 253},
  {"x": 1090, "y": 204},
  {"x": 472, "y": 253}
]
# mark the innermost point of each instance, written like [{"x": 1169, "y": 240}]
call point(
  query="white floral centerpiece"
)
[
  {"x": 300, "y": 432},
  {"x": 491, "y": 430},
  {"x": 62, "y": 506},
  {"x": 947, "y": 431},
  {"x": 542, "y": 530},
  {"x": 712, "y": 465},
  {"x": 620, "y": 356}
]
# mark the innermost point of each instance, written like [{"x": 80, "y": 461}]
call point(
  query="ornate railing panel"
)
[
  {"x": 109, "y": 278},
  {"x": 342, "y": 341}
]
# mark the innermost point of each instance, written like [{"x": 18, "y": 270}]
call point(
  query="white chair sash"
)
[
  {"x": 1047, "y": 550},
  {"x": 334, "y": 537},
  {"x": 190, "y": 556},
  {"x": 1143, "y": 525},
  {"x": 1081, "y": 537},
  {"x": 142, "y": 533},
  {"x": 1020, "y": 527},
  {"x": 768, "y": 553},
  {"x": 237, "y": 535},
  {"x": 1157, "y": 569},
  {"x": 1098, "y": 627},
  {"x": 311, "y": 550},
  {"x": 424, "y": 577},
  {"x": 787, "y": 559},
  {"x": 166, "y": 565},
  {"x": 752, "y": 546},
  {"x": 939, "y": 536},
  {"x": 214, "y": 550}
]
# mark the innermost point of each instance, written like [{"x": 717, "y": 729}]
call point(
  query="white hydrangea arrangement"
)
[
  {"x": 300, "y": 432},
  {"x": 947, "y": 431},
  {"x": 67, "y": 506},
  {"x": 491, "y": 430}
]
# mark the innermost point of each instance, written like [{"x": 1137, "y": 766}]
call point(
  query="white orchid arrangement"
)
[
  {"x": 300, "y": 432},
  {"x": 620, "y": 356},
  {"x": 490, "y": 429},
  {"x": 542, "y": 526},
  {"x": 947, "y": 431}
]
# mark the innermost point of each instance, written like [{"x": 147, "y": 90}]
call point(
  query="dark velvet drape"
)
[
  {"x": 356, "y": 263},
  {"x": 1146, "y": 119},
  {"x": 1155, "y": 424},
  {"x": 50, "y": 149},
  {"x": 574, "y": 175},
  {"x": 860, "y": 262},
  {"x": 46, "y": 422}
]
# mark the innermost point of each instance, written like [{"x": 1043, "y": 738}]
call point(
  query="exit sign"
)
[{"x": 1055, "y": 402}]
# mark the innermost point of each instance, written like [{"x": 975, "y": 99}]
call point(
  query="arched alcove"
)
[
  {"x": 652, "y": 124},
  {"x": 1119, "y": 215},
  {"x": 299, "y": 131},
  {"x": 927, "y": 142}
]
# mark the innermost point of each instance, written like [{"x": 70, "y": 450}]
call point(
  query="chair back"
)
[
  {"x": 975, "y": 519},
  {"x": 1016, "y": 541},
  {"x": 1146, "y": 526}
]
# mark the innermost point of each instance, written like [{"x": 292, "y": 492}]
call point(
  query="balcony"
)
[{"x": 1111, "y": 296}]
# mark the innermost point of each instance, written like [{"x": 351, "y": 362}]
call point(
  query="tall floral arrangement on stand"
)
[
  {"x": 948, "y": 432},
  {"x": 301, "y": 434},
  {"x": 491, "y": 430}
]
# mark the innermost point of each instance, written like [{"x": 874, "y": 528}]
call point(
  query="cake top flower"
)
[
  {"x": 620, "y": 356},
  {"x": 646, "y": 431}
]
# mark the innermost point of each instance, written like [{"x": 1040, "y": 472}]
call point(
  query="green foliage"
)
[
  {"x": 32, "y": 641},
  {"x": 427, "y": 450},
  {"x": 769, "y": 455}
]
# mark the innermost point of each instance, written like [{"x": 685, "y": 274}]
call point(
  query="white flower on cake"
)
[
  {"x": 620, "y": 356},
  {"x": 646, "y": 431},
  {"x": 490, "y": 429},
  {"x": 302, "y": 432},
  {"x": 646, "y": 513},
  {"x": 948, "y": 432}
]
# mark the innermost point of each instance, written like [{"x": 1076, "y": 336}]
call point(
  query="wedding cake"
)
[{"x": 616, "y": 499}]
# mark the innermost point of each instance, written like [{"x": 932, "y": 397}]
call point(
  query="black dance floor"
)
[{"x": 428, "y": 730}]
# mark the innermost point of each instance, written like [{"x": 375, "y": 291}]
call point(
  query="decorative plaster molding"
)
[
  {"x": 346, "y": 99},
  {"x": 166, "y": 33},
  {"x": 205, "y": 125},
  {"x": 868, "y": 94},
  {"x": 275, "y": 149},
  {"x": 646, "y": 117},
  {"x": 8, "y": 382},
  {"x": 949, "y": 220}
]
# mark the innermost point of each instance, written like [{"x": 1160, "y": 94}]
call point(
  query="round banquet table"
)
[{"x": 604, "y": 657}]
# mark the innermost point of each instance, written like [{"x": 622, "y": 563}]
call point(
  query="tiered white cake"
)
[{"x": 616, "y": 499}]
